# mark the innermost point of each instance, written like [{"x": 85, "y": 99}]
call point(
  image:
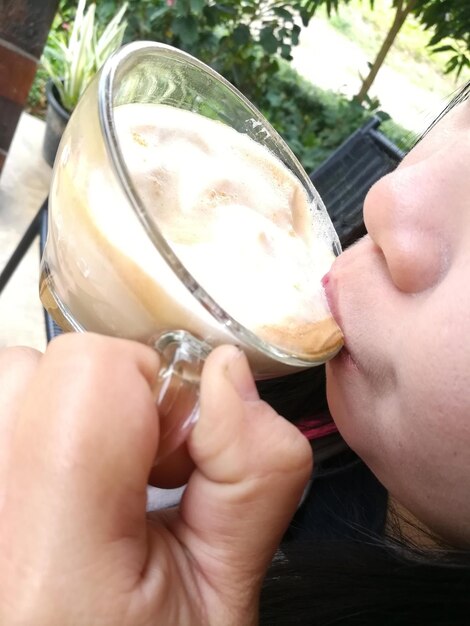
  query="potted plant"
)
[{"x": 72, "y": 57}]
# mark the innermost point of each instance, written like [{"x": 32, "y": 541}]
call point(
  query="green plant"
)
[
  {"x": 314, "y": 122},
  {"x": 74, "y": 53},
  {"x": 246, "y": 42},
  {"x": 241, "y": 39},
  {"x": 36, "y": 103},
  {"x": 250, "y": 43}
]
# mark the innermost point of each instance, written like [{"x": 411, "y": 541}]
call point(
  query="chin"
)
[
  {"x": 344, "y": 400},
  {"x": 337, "y": 402}
]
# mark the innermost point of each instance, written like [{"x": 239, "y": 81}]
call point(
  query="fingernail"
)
[{"x": 239, "y": 374}]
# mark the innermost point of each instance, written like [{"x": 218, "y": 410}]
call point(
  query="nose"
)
[{"x": 404, "y": 217}]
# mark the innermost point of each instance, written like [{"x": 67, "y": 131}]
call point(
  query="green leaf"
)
[
  {"x": 73, "y": 57},
  {"x": 286, "y": 52},
  {"x": 464, "y": 62},
  {"x": 181, "y": 8},
  {"x": 268, "y": 40},
  {"x": 295, "y": 35},
  {"x": 159, "y": 13},
  {"x": 211, "y": 15},
  {"x": 196, "y": 6},
  {"x": 436, "y": 38},
  {"x": 282, "y": 13},
  {"x": 452, "y": 64},
  {"x": 241, "y": 35},
  {"x": 444, "y": 49},
  {"x": 186, "y": 28}
]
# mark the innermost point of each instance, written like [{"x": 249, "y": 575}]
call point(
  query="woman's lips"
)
[{"x": 330, "y": 286}]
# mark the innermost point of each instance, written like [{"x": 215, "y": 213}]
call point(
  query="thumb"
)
[{"x": 251, "y": 468}]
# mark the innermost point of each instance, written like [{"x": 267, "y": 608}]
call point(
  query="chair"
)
[
  {"x": 346, "y": 176},
  {"x": 343, "y": 181}
]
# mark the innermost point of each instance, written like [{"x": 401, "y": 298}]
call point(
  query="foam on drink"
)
[{"x": 235, "y": 216}]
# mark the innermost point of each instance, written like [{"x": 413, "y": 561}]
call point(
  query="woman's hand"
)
[{"x": 78, "y": 435}]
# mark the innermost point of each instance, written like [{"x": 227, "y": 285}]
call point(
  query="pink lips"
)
[
  {"x": 331, "y": 297},
  {"x": 329, "y": 286}
]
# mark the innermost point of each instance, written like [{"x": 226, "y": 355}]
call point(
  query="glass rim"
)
[{"x": 107, "y": 81}]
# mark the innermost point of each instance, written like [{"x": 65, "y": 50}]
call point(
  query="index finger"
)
[
  {"x": 18, "y": 366},
  {"x": 87, "y": 433}
]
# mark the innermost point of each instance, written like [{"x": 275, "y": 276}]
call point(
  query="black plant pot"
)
[{"x": 56, "y": 121}]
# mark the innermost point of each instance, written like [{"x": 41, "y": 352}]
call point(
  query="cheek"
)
[
  {"x": 425, "y": 463},
  {"x": 415, "y": 436}
]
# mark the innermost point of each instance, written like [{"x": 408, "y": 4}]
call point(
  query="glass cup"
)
[{"x": 107, "y": 266}]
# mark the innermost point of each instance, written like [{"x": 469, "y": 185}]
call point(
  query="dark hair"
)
[
  {"x": 296, "y": 395},
  {"x": 376, "y": 582},
  {"x": 372, "y": 580}
]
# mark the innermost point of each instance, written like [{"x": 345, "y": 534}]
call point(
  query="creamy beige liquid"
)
[{"x": 234, "y": 215}]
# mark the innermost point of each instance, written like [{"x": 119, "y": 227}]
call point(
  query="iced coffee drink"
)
[{"x": 233, "y": 214}]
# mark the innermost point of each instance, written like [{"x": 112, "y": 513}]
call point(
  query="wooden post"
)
[{"x": 24, "y": 26}]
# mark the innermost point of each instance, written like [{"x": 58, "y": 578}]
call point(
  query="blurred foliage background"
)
[{"x": 250, "y": 43}]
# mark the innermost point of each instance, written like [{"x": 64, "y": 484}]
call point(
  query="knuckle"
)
[
  {"x": 19, "y": 357},
  {"x": 86, "y": 357},
  {"x": 103, "y": 352},
  {"x": 75, "y": 341},
  {"x": 289, "y": 447},
  {"x": 81, "y": 345}
]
